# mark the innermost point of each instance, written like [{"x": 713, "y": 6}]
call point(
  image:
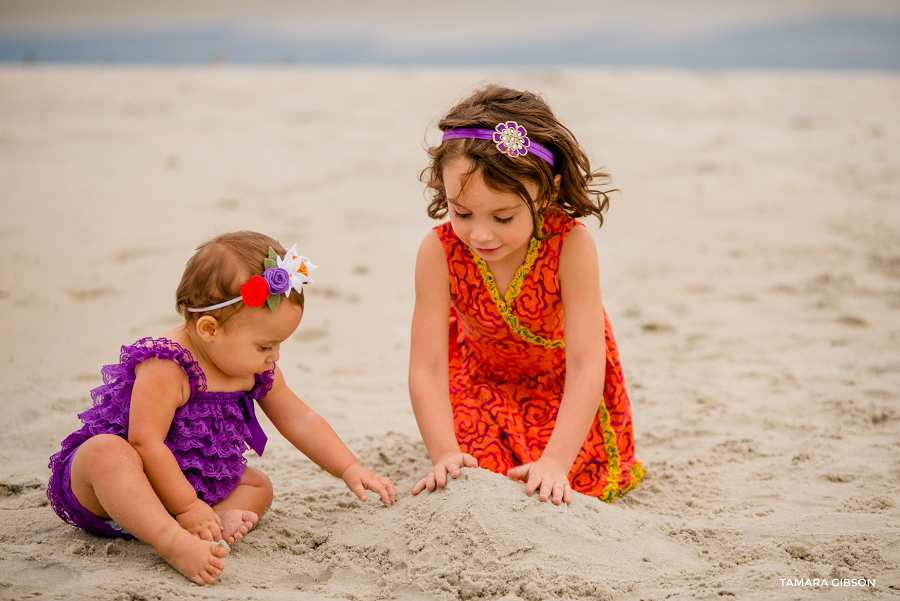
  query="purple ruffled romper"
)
[{"x": 208, "y": 436}]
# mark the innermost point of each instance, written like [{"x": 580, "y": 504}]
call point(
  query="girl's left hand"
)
[
  {"x": 547, "y": 476},
  {"x": 359, "y": 479}
]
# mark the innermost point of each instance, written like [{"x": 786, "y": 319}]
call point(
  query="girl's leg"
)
[
  {"x": 241, "y": 510},
  {"x": 108, "y": 480}
]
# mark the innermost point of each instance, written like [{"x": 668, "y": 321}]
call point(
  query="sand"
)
[{"x": 750, "y": 267}]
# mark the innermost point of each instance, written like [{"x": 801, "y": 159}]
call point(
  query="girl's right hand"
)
[
  {"x": 201, "y": 520},
  {"x": 451, "y": 464}
]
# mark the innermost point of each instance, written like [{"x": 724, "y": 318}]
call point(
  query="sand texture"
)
[{"x": 750, "y": 267}]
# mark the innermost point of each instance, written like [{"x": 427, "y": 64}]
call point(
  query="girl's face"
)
[
  {"x": 249, "y": 342},
  {"x": 496, "y": 225}
]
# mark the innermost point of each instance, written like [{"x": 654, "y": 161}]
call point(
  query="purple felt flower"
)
[
  {"x": 511, "y": 139},
  {"x": 279, "y": 280}
]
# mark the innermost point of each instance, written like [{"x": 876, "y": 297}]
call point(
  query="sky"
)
[{"x": 805, "y": 34}]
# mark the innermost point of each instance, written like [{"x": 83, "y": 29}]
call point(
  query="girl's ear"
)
[
  {"x": 207, "y": 328},
  {"x": 556, "y": 179}
]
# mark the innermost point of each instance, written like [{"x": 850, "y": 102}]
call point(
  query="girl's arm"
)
[
  {"x": 579, "y": 277},
  {"x": 161, "y": 387},
  {"x": 428, "y": 369},
  {"x": 314, "y": 437}
]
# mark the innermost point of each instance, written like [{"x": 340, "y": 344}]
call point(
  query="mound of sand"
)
[{"x": 481, "y": 537}]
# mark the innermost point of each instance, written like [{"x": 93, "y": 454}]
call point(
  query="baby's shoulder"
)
[
  {"x": 164, "y": 359},
  {"x": 164, "y": 378}
]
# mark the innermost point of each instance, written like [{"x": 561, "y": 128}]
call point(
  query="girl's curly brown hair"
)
[{"x": 495, "y": 104}]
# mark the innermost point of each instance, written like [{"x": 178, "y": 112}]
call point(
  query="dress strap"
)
[
  {"x": 155, "y": 348},
  {"x": 504, "y": 304},
  {"x": 264, "y": 381}
]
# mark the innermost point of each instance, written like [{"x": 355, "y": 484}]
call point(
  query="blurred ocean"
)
[{"x": 818, "y": 43}]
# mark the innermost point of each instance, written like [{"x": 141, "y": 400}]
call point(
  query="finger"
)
[
  {"x": 359, "y": 490},
  {"x": 470, "y": 461},
  {"x": 558, "y": 490},
  {"x": 453, "y": 469},
  {"x": 520, "y": 472},
  {"x": 440, "y": 477},
  {"x": 567, "y": 495},
  {"x": 419, "y": 487},
  {"x": 393, "y": 491},
  {"x": 546, "y": 490},
  {"x": 382, "y": 490},
  {"x": 534, "y": 481}
]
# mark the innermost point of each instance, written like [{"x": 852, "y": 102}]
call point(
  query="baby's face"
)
[{"x": 249, "y": 342}]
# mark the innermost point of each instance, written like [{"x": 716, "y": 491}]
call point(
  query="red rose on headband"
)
[{"x": 255, "y": 291}]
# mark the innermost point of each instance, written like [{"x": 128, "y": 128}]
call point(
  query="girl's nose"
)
[{"x": 481, "y": 234}]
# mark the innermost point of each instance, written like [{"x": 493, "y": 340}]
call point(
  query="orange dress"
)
[{"x": 508, "y": 366}]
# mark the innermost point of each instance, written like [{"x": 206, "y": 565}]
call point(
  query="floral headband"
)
[
  {"x": 510, "y": 137},
  {"x": 280, "y": 276}
]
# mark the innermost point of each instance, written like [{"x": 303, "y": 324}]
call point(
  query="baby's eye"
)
[
  {"x": 503, "y": 219},
  {"x": 461, "y": 215},
  {"x": 265, "y": 349}
]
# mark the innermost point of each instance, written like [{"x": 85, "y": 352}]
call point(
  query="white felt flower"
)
[{"x": 298, "y": 268}]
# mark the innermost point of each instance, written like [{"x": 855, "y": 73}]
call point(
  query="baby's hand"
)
[
  {"x": 358, "y": 479},
  {"x": 450, "y": 464},
  {"x": 200, "y": 520},
  {"x": 546, "y": 475}
]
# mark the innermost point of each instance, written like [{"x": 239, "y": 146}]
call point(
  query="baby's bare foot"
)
[
  {"x": 236, "y": 523},
  {"x": 199, "y": 560}
]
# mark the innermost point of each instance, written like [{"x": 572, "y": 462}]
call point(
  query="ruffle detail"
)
[
  {"x": 263, "y": 384},
  {"x": 207, "y": 436}
]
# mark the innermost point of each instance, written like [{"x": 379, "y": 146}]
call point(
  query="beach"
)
[{"x": 750, "y": 266}]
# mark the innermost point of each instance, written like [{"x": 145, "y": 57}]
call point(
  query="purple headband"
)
[{"x": 510, "y": 137}]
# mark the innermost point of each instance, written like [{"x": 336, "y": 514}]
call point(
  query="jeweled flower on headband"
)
[
  {"x": 281, "y": 275},
  {"x": 511, "y": 139}
]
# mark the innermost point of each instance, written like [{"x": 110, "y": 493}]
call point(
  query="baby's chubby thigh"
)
[{"x": 100, "y": 464}]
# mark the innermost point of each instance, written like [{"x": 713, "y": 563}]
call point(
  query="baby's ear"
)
[{"x": 207, "y": 328}]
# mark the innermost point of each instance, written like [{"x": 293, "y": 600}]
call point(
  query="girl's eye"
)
[
  {"x": 503, "y": 219},
  {"x": 461, "y": 215}
]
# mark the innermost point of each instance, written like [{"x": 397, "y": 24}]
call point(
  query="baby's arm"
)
[
  {"x": 314, "y": 437},
  {"x": 428, "y": 369},
  {"x": 160, "y": 387},
  {"x": 579, "y": 278}
]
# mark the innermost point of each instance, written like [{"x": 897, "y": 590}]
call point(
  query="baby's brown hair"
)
[
  {"x": 495, "y": 104},
  {"x": 219, "y": 268}
]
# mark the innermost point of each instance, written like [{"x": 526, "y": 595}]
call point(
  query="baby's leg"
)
[
  {"x": 241, "y": 510},
  {"x": 108, "y": 480}
]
